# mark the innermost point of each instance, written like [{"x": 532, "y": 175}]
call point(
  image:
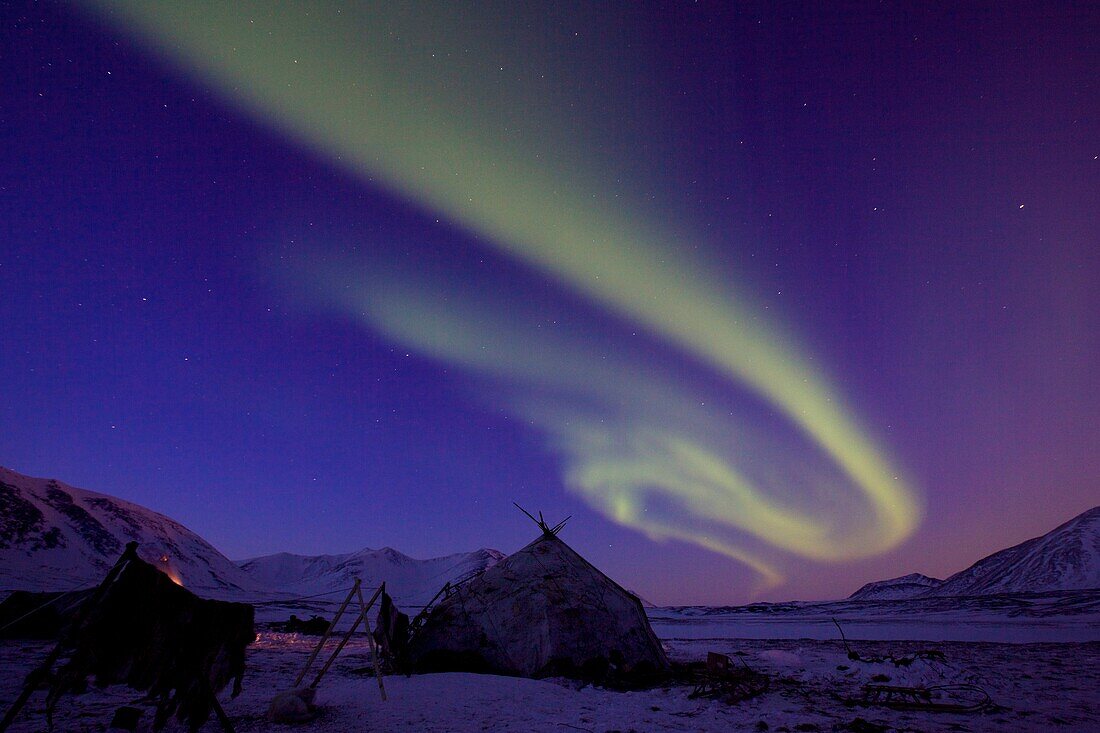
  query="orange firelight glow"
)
[{"x": 171, "y": 572}]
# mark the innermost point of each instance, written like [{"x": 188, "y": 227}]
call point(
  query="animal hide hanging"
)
[
  {"x": 391, "y": 633},
  {"x": 143, "y": 630}
]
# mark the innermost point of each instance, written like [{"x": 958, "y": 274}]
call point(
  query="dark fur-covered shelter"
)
[
  {"x": 141, "y": 629},
  {"x": 542, "y": 611},
  {"x": 30, "y": 615}
]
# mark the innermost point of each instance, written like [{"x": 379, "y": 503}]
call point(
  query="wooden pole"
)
[
  {"x": 423, "y": 615},
  {"x": 223, "y": 719},
  {"x": 328, "y": 632},
  {"x": 373, "y": 648},
  {"x": 344, "y": 641}
]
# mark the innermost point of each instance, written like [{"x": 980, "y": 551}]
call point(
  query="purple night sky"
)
[{"x": 911, "y": 192}]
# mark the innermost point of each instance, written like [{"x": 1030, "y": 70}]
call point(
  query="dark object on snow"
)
[
  {"x": 391, "y": 633},
  {"x": 938, "y": 698},
  {"x": 28, "y": 615},
  {"x": 930, "y": 656},
  {"x": 542, "y": 611},
  {"x": 315, "y": 626},
  {"x": 141, "y": 629},
  {"x": 126, "y": 718},
  {"x": 723, "y": 680},
  {"x": 859, "y": 725}
]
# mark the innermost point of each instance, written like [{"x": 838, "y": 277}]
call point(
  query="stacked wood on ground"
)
[
  {"x": 937, "y": 698},
  {"x": 143, "y": 630},
  {"x": 723, "y": 680}
]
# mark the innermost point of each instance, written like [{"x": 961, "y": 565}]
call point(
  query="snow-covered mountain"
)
[
  {"x": 410, "y": 582},
  {"x": 57, "y": 537},
  {"x": 907, "y": 586},
  {"x": 1066, "y": 558}
]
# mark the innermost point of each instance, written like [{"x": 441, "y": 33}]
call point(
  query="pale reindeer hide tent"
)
[{"x": 543, "y": 611}]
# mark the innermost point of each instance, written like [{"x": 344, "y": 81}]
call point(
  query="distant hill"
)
[
  {"x": 1065, "y": 559},
  {"x": 907, "y": 586},
  {"x": 57, "y": 537},
  {"x": 409, "y": 581}
]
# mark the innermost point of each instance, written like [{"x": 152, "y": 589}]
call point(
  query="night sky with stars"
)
[{"x": 773, "y": 299}]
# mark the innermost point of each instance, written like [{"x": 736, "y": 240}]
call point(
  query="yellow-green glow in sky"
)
[{"x": 483, "y": 124}]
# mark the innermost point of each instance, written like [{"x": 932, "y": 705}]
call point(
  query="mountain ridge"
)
[
  {"x": 408, "y": 580},
  {"x": 1067, "y": 558},
  {"x": 53, "y": 535},
  {"x": 905, "y": 586},
  {"x": 57, "y": 537}
]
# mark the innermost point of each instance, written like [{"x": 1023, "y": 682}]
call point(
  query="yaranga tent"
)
[{"x": 542, "y": 611}]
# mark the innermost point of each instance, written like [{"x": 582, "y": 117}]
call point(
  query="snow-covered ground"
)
[
  {"x": 1037, "y": 687},
  {"x": 1027, "y": 632},
  {"x": 1023, "y": 618}
]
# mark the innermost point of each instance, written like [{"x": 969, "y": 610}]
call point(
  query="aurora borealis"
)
[
  {"x": 554, "y": 217},
  {"x": 440, "y": 156}
]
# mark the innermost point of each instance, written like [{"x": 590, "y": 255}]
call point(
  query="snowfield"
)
[
  {"x": 1037, "y": 687},
  {"x": 1027, "y": 632},
  {"x": 1067, "y": 616}
]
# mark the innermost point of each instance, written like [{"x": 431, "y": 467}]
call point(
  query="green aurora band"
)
[{"x": 518, "y": 158}]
